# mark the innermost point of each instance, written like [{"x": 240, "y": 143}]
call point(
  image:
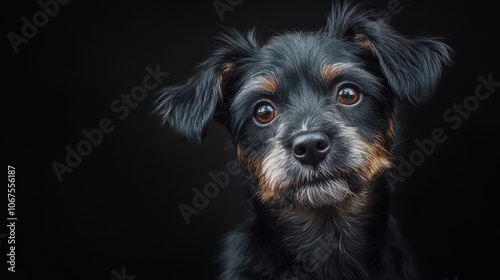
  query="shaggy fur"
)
[{"x": 317, "y": 161}]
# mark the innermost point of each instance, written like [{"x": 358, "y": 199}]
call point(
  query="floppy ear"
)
[
  {"x": 188, "y": 108},
  {"x": 411, "y": 66}
]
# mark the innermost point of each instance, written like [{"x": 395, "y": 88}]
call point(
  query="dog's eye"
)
[
  {"x": 264, "y": 113},
  {"x": 348, "y": 95}
]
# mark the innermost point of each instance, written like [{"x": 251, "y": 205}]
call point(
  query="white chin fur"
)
[{"x": 323, "y": 193}]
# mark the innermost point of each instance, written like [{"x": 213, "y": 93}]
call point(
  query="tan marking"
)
[
  {"x": 330, "y": 72},
  {"x": 269, "y": 84},
  {"x": 390, "y": 127},
  {"x": 377, "y": 152},
  {"x": 270, "y": 172},
  {"x": 377, "y": 160},
  {"x": 249, "y": 166},
  {"x": 264, "y": 191},
  {"x": 363, "y": 41},
  {"x": 265, "y": 194}
]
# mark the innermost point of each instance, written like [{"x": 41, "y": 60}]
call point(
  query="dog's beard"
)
[
  {"x": 306, "y": 186},
  {"x": 282, "y": 179},
  {"x": 322, "y": 193}
]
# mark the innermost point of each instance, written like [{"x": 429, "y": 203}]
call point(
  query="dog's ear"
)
[
  {"x": 411, "y": 66},
  {"x": 188, "y": 108}
]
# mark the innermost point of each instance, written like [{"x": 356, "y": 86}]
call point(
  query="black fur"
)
[{"x": 330, "y": 221}]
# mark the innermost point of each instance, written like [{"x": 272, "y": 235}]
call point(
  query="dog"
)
[{"x": 313, "y": 120}]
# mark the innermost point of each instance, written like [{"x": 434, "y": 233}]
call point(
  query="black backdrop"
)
[{"x": 116, "y": 214}]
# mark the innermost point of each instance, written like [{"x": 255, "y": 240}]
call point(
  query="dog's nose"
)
[{"x": 311, "y": 147}]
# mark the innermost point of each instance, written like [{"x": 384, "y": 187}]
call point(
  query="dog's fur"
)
[{"x": 322, "y": 218}]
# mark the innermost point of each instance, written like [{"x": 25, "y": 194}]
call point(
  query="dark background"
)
[{"x": 119, "y": 207}]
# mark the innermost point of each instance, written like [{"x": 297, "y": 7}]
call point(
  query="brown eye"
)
[
  {"x": 264, "y": 113},
  {"x": 348, "y": 95}
]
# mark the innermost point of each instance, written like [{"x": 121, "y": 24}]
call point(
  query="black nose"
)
[{"x": 311, "y": 147}]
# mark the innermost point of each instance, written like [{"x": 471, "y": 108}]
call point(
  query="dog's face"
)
[
  {"x": 311, "y": 119},
  {"x": 311, "y": 114}
]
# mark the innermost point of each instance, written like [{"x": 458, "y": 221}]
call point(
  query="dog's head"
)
[{"x": 311, "y": 113}]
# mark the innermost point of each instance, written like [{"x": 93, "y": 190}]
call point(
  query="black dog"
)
[{"x": 313, "y": 120}]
